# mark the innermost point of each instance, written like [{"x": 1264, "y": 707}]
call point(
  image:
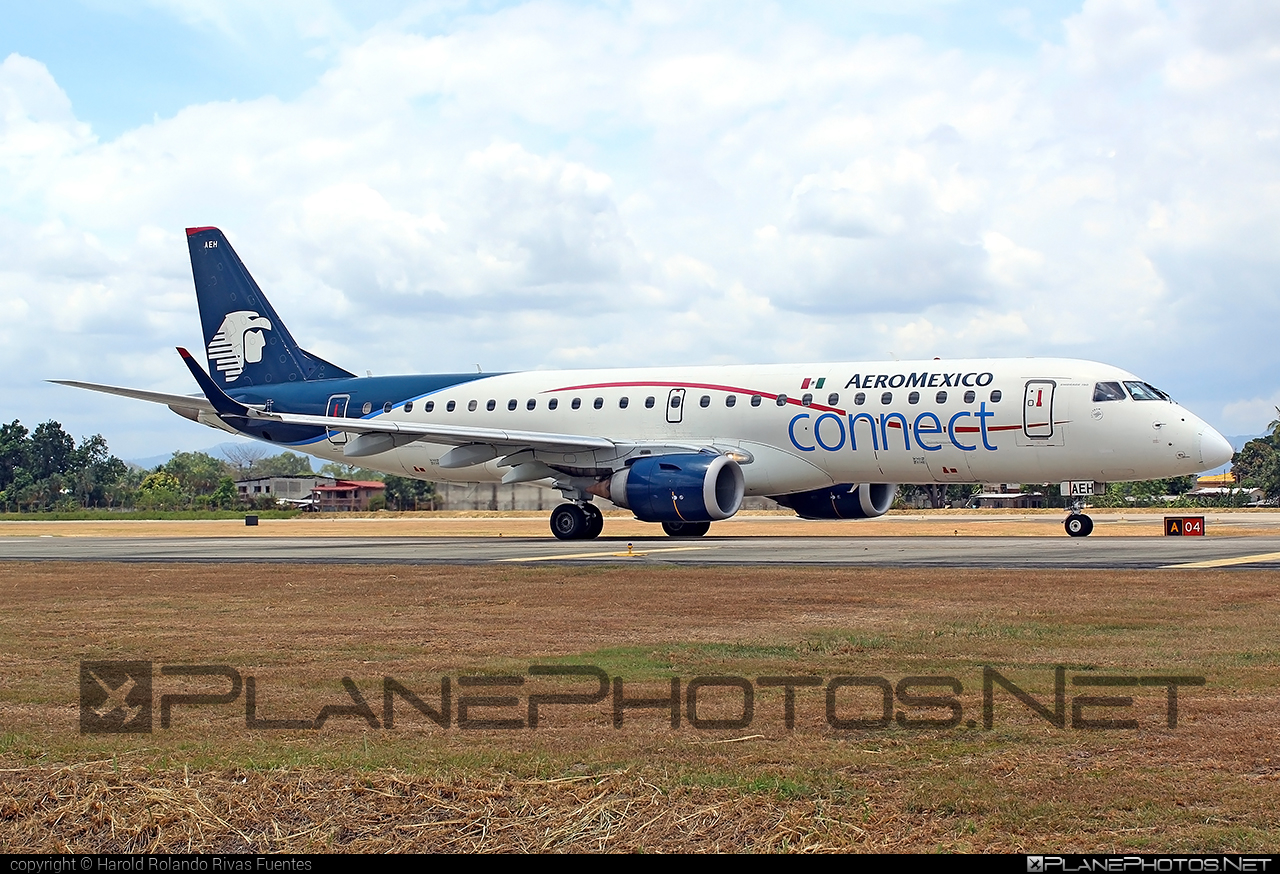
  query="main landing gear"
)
[
  {"x": 585, "y": 522},
  {"x": 686, "y": 529},
  {"x": 577, "y": 522}
]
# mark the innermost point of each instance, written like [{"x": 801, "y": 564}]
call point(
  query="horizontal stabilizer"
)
[{"x": 185, "y": 402}]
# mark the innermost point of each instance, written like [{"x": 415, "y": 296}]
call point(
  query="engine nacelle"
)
[
  {"x": 847, "y": 501},
  {"x": 679, "y": 488}
]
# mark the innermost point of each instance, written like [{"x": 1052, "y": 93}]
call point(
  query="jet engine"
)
[
  {"x": 697, "y": 487},
  {"x": 847, "y": 501}
]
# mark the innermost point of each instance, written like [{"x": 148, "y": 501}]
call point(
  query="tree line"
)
[
  {"x": 44, "y": 469},
  {"x": 1257, "y": 464}
]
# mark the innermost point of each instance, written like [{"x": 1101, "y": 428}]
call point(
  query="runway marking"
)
[
  {"x": 609, "y": 554},
  {"x": 1227, "y": 562}
]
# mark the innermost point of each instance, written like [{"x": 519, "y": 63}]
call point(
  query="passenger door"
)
[
  {"x": 1043, "y": 410},
  {"x": 1037, "y": 409}
]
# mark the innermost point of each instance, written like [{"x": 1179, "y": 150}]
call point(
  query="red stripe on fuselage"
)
[{"x": 732, "y": 389}]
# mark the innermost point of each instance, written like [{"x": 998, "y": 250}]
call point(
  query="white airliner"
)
[{"x": 683, "y": 445}]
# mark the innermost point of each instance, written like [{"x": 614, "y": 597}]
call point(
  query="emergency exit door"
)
[{"x": 337, "y": 409}]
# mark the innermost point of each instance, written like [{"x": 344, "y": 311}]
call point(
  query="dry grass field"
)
[{"x": 578, "y": 783}]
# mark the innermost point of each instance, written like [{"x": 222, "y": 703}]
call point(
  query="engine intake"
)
[
  {"x": 679, "y": 488},
  {"x": 846, "y": 501}
]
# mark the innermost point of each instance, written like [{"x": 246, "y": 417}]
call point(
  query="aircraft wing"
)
[
  {"x": 189, "y": 402},
  {"x": 447, "y": 434},
  {"x": 397, "y": 433},
  {"x": 218, "y": 403}
]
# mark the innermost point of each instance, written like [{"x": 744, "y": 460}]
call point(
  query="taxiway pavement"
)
[{"x": 940, "y": 551}]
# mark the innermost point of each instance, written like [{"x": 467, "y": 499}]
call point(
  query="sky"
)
[{"x": 427, "y": 187}]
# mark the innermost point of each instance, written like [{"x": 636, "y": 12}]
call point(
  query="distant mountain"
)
[{"x": 1238, "y": 442}]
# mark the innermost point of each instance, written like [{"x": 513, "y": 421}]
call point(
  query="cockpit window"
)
[
  {"x": 1107, "y": 391},
  {"x": 1141, "y": 391}
]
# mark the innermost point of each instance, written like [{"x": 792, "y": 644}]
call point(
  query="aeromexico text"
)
[{"x": 920, "y": 380}]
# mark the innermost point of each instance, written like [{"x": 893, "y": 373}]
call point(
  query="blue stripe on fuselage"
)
[{"x": 310, "y": 399}]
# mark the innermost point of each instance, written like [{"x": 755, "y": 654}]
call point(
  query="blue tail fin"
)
[{"x": 245, "y": 340}]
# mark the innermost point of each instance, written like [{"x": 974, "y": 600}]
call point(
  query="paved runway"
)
[{"x": 968, "y": 552}]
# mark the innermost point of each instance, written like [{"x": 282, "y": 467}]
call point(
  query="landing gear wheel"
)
[
  {"x": 568, "y": 522},
  {"x": 1078, "y": 525},
  {"x": 595, "y": 522},
  {"x": 686, "y": 529}
]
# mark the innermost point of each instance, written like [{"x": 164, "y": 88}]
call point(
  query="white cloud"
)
[{"x": 552, "y": 185}]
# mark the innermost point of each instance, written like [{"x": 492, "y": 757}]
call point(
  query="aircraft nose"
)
[{"x": 1215, "y": 451}]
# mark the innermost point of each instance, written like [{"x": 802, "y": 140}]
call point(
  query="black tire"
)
[
  {"x": 595, "y": 522},
  {"x": 1078, "y": 525},
  {"x": 686, "y": 529},
  {"x": 568, "y": 522}
]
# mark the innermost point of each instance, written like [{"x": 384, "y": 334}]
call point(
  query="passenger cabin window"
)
[
  {"x": 969, "y": 396},
  {"x": 368, "y": 408},
  {"x": 512, "y": 404},
  {"x": 913, "y": 398},
  {"x": 531, "y": 404},
  {"x": 675, "y": 401},
  {"x": 1142, "y": 391},
  {"x": 553, "y": 403},
  {"x": 577, "y": 402},
  {"x": 386, "y": 408},
  {"x": 431, "y": 405},
  {"x": 649, "y": 402},
  {"x": 598, "y": 403},
  {"x": 704, "y": 401},
  {"x": 492, "y": 405},
  {"x": 622, "y": 403},
  {"x": 833, "y": 399},
  {"x": 755, "y": 400},
  {"x": 860, "y": 398},
  {"x": 471, "y": 406},
  {"x": 730, "y": 400},
  {"x": 782, "y": 400},
  {"x": 996, "y": 395},
  {"x": 940, "y": 397},
  {"x": 807, "y": 400},
  {"x": 451, "y": 406},
  {"x": 408, "y": 406},
  {"x": 1107, "y": 391},
  {"x": 886, "y": 398}
]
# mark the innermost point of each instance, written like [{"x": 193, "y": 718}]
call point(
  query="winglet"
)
[{"x": 221, "y": 402}]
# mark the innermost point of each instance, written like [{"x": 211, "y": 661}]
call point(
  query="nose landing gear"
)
[{"x": 1077, "y": 523}]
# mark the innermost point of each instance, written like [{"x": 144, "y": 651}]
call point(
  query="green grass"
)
[{"x": 142, "y": 515}]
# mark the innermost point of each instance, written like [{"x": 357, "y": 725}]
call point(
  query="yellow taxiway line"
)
[
  {"x": 609, "y": 554},
  {"x": 1227, "y": 562}
]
